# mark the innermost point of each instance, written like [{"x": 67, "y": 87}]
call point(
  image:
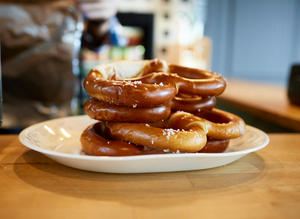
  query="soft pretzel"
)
[
  {"x": 104, "y": 111},
  {"x": 181, "y": 132},
  {"x": 174, "y": 134},
  {"x": 149, "y": 82},
  {"x": 206, "y": 83},
  {"x": 107, "y": 82},
  {"x": 222, "y": 125},
  {"x": 193, "y": 104},
  {"x": 218, "y": 124}
]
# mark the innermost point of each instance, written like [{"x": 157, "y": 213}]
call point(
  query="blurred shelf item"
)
[{"x": 196, "y": 56}]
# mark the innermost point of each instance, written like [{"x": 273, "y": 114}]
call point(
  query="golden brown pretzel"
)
[
  {"x": 222, "y": 125},
  {"x": 218, "y": 124},
  {"x": 95, "y": 142},
  {"x": 206, "y": 84},
  {"x": 107, "y": 82},
  {"x": 182, "y": 132},
  {"x": 174, "y": 134},
  {"x": 104, "y": 111},
  {"x": 133, "y": 83},
  {"x": 193, "y": 104}
]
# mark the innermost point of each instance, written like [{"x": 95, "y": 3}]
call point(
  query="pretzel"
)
[
  {"x": 193, "y": 104},
  {"x": 206, "y": 83},
  {"x": 181, "y": 132},
  {"x": 95, "y": 142},
  {"x": 107, "y": 82},
  {"x": 149, "y": 83},
  {"x": 222, "y": 125},
  {"x": 104, "y": 111},
  {"x": 174, "y": 134}
]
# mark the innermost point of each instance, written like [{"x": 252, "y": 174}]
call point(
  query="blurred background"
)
[
  {"x": 255, "y": 40},
  {"x": 249, "y": 39}
]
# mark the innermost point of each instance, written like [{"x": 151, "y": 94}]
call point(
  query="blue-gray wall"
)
[{"x": 254, "y": 39}]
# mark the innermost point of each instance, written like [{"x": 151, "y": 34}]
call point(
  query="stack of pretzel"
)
[{"x": 153, "y": 107}]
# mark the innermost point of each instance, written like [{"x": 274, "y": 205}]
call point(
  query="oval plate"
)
[{"x": 58, "y": 139}]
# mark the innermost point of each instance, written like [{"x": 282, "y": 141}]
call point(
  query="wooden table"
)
[
  {"x": 266, "y": 101},
  {"x": 264, "y": 184}
]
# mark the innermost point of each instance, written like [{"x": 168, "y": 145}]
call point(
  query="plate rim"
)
[{"x": 22, "y": 137}]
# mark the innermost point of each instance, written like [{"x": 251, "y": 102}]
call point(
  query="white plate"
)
[{"x": 58, "y": 139}]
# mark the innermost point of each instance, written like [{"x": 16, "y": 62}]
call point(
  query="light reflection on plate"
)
[{"x": 58, "y": 139}]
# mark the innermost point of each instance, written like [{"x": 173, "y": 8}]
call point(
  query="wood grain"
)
[
  {"x": 264, "y": 184},
  {"x": 266, "y": 101}
]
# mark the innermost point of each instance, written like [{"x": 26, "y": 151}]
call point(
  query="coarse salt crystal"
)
[{"x": 169, "y": 132}]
